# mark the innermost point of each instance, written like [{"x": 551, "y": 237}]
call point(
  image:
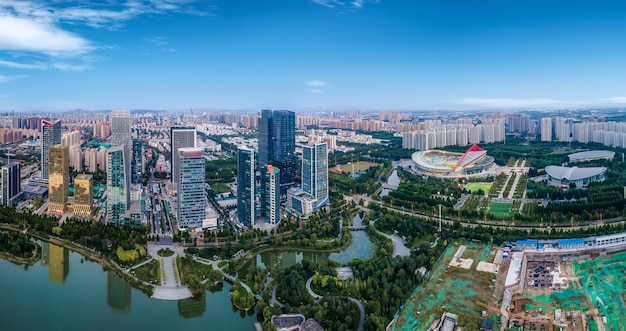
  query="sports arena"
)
[{"x": 473, "y": 162}]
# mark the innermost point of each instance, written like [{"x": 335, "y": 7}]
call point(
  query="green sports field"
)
[
  {"x": 474, "y": 187},
  {"x": 500, "y": 208},
  {"x": 358, "y": 167}
]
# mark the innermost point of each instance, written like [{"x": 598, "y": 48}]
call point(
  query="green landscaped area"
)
[
  {"x": 149, "y": 272},
  {"x": 356, "y": 167},
  {"x": 500, "y": 209},
  {"x": 474, "y": 187},
  {"x": 453, "y": 290}
]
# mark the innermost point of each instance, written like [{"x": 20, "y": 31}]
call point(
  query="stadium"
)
[
  {"x": 474, "y": 161},
  {"x": 563, "y": 176},
  {"x": 591, "y": 156}
]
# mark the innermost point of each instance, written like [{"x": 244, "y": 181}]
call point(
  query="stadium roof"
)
[
  {"x": 472, "y": 154},
  {"x": 590, "y": 155},
  {"x": 574, "y": 173}
]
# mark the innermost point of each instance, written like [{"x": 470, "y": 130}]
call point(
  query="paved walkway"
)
[
  {"x": 273, "y": 300},
  {"x": 171, "y": 287},
  {"x": 357, "y": 302},
  {"x": 399, "y": 249}
]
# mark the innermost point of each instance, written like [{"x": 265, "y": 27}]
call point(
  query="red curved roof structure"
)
[{"x": 472, "y": 154}]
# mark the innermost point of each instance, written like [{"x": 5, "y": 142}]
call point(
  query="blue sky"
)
[{"x": 57, "y": 55}]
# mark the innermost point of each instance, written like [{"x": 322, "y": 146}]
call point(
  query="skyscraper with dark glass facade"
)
[
  {"x": 191, "y": 178},
  {"x": 315, "y": 173},
  {"x": 246, "y": 186},
  {"x": 117, "y": 190},
  {"x": 50, "y": 136},
  {"x": 136, "y": 164},
  {"x": 277, "y": 146}
]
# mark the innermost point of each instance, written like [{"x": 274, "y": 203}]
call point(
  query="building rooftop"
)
[
  {"x": 574, "y": 173},
  {"x": 590, "y": 155}
]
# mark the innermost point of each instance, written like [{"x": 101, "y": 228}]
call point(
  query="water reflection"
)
[
  {"x": 192, "y": 307},
  {"x": 118, "y": 292},
  {"x": 57, "y": 259}
]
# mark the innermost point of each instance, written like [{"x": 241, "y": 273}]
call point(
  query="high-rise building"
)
[
  {"x": 50, "y": 136},
  {"x": 271, "y": 204},
  {"x": 136, "y": 164},
  {"x": 266, "y": 143},
  {"x": 284, "y": 133},
  {"x": 246, "y": 186},
  {"x": 180, "y": 137},
  {"x": 546, "y": 129},
  {"x": 58, "y": 178},
  {"x": 120, "y": 129},
  {"x": 83, "y": 194},
  {"x": 118, "y": 194},
  {"x": 191, "y": 179},
  {"x": 315, "y": 173},
  {"x": 11, "y": 182},
  {"x": 277, "y": 145}
]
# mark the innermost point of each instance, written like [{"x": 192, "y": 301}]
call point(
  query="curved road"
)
[{"x": 357, "y": 302}]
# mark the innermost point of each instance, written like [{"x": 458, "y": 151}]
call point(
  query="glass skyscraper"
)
[
  {"x": 180, "y": 137},
  {"x": 50, "y": 136},
  {"x": 59, "y": 178},
  {"x": 246, "y": 186},
  {"x": 136, "y": 164},
  {"x": 120, "y": 136},
  {"x": 191, "y": 196},
  {"x": 315, "y": 173},
  {"x": 277, "y": 145},
  {"x": 284, "y": 134},
  {"x": 11, "y": 182},
  {"x": 118, "y": 197}
]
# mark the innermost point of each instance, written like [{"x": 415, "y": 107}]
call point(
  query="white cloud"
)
[
  {"x": 4, "y": 78},
  {"x": 317, "y": 83},
  {"x": 161, "y": 43},
  {"x": 615, "y": 100},
  {"x": 508, "y": 103},
  {"x": 69, "y": 67},
  {"x": 17, "y": 65},
  {"x": 350, "y": 4},
  {"x": 20, "y": 34}
]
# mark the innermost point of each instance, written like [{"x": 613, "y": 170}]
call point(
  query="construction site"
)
[{"x": 521, "y": 288}]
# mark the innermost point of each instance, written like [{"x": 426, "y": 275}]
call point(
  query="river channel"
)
[{"x": 60, "y": 292}]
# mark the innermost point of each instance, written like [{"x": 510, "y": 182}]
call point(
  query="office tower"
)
[
  {"x": 284, "y": 134},
  {"x": 50, "y": 136},
  {"x": 315, "y": 173},
  {"x": 11, "y": 182},
  {"x": 83, "y": 194},
  {"x": 58, "y": 178},
  {"x": 191, "y": 196},
  {"x": 180, "y": 137},
  {"x": 271, "y": 179},
  {"x": 246, "y": 186},
  {"x": 277, "y": 145},
  {"x": 136, "y": 164},
  {"x": 546, "y": 129},
  {"x": 120, "y": 128},
  {"x": 118, "y": 197},
  {"x": 266, "y": 143}
]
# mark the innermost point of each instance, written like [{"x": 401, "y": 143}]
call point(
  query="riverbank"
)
[{"x": 91, "y": 255}]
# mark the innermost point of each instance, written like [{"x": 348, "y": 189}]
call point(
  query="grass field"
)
[
  {"x": 354, "y": 167},
  {"x": 500, "y": 208},
  {"x": 474, "y": 187}
]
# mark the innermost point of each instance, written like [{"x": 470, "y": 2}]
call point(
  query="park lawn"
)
[
  {"x": 428, "y": 239},
  {"x": 149, "y": 272},
  {"x": 500, "y": 208},
  {"x": 358, "y": 166},
  {"x": 219, "y": 188},
  {"x": 474, "y": 187},
  {"x": 189, "y": 266}
]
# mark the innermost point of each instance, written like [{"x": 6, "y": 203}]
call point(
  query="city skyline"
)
[{"x": 310, "y": 55}]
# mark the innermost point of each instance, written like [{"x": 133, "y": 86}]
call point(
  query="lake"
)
[{"x": 62, "y": 293}]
